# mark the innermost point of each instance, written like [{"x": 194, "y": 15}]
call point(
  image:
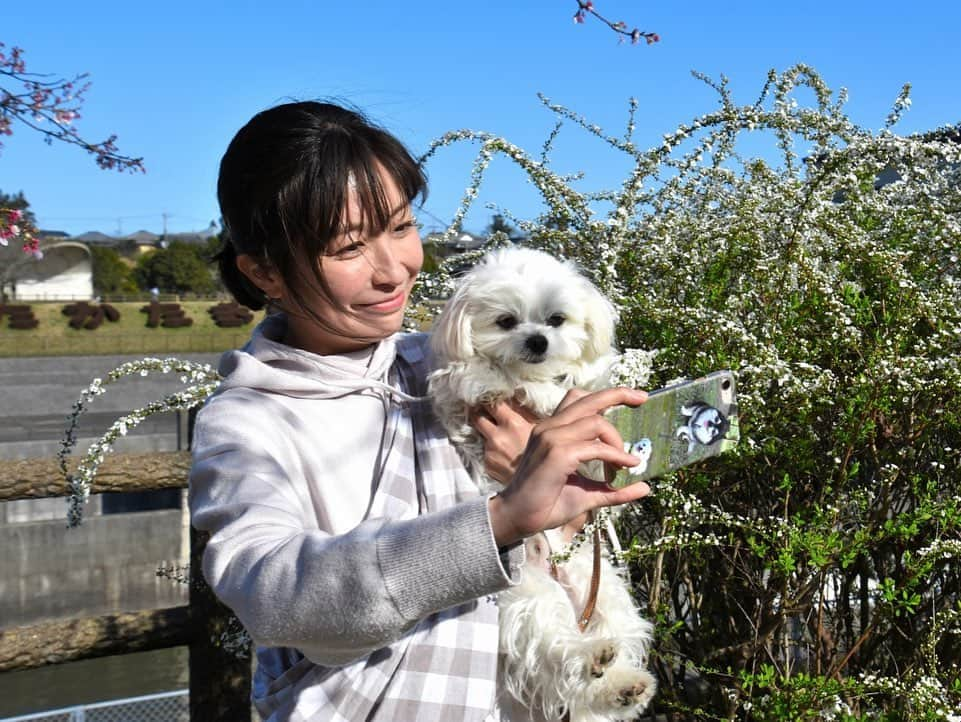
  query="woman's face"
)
[{"x": 369, "y": 278}]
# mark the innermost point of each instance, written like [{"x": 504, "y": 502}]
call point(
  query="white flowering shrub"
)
[
  {"x": 198, "y": 381},
  {"x": 816, "y": 571}
]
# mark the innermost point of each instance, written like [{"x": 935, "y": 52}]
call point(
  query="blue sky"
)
[{"x": 175, "y": 80}]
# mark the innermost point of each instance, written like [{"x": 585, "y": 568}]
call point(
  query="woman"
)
[{"x": 345, "y": 533}]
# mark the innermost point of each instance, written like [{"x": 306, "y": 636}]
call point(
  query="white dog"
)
[{"x": 524, "y": 326}]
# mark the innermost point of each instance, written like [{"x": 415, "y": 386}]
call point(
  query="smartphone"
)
[{"x": 677, "y": 425}]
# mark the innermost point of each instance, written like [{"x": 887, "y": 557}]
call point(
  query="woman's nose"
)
[{"x": 387, "y": 264}]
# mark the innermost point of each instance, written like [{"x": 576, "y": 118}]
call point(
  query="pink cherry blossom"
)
[{"x": 50, "y": 106}]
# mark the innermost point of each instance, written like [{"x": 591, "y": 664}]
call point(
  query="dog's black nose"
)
[{"x": 536, "y": 344}]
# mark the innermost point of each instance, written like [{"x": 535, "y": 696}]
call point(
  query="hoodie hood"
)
[{"x": 266, "y": 364}]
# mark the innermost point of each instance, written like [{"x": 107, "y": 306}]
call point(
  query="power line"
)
[
  {"x": 423, "y": 211},
  {"x": 98, "y": 218}
]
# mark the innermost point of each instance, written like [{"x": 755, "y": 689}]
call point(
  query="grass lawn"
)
[{"x": 129, "y": 334}]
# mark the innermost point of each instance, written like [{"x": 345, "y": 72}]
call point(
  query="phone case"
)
[{"x": 677, "y": 425}]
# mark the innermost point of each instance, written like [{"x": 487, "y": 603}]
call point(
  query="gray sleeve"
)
[
  {"x": 334, "y": 597},
  {"x": 444, "y": 558}
]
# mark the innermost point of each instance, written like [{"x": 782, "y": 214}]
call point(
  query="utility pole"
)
[{"x": 163, "y": 236}]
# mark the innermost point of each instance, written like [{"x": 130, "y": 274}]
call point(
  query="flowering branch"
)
[
  {"x": 585, "y": 7},
  {"x": 14, "y": 225},
  {"x": 50, "y": 106},
  {"x": 200, "y": 380}
]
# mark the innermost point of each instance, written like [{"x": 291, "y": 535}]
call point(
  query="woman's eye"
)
[
  {"x": 351, "y": 249},
  {"x": 556, "y": 320},
  {"x": 405, "y": 226},
  {"x": 506, "y": 322}
]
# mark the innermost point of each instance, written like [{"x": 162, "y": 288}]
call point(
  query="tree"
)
[
  {"x": 50, "y": 105},
  {"x": 499, "y": 224},
  {"x": 179, "y": 268},
  {"x": 212, "y": 247},
  {"x": 18, "y": 202},
  {"x": 110, "y": 273},
  {"x": 17, "y": 223}
]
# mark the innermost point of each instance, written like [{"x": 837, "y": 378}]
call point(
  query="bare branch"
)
[{"x": 586, "y": 7}]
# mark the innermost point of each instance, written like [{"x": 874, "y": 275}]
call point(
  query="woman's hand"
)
[
  {"x": 506, "y": 428},
  {"x": 546, "y": 491}
]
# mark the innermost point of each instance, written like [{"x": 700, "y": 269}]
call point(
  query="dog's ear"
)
[
  {"x": 452, "y": 332},
  {"x": 600, "y": 321}
]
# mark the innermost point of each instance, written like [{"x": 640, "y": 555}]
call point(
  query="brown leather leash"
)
[
  {"x": 591, "y": 602},
  {"x": 595, "y": 579}
]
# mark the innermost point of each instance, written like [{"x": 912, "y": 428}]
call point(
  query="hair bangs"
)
[{"x": 371, "y": 165}]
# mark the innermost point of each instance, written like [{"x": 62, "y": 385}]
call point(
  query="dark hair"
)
[{"x": 283, "y": 189}]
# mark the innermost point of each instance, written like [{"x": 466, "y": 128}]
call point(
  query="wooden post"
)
[
  {"x": 41, "y": 478},
  {"x": 71, "y": 640},
  {"x": 219, "y": 678}
]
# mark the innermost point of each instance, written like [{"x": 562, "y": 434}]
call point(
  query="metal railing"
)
[{"x": 164, "y": 707}]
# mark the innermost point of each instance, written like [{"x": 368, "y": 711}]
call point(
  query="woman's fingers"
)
[
  {"x": 579, "y": 403},
  {"x": 570, "y": 397},
  {"x": 506, "y": 429},
  {"x": 545, "y": 491},
  {"x": 606, "y": 496},
  {"x": 603, "y": 451},
  {"x": 502, "y": 415},
  {"x": 483, "y": 423},
  {"x": 511, "y": 412},
  {"x": 587, "y": 438}
]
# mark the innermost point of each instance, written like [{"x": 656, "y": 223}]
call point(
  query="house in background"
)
[
  {"x": 460, "y": 243},
  {"x": 65, "y": 272}
]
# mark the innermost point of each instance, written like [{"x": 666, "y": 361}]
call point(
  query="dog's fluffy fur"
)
[{"x": 523, "y": 325}]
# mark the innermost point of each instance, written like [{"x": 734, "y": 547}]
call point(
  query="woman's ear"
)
[{"x": 262, "y": 276}]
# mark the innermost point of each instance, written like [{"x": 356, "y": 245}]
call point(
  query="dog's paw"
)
[
  {"x": 623, "y": 692},
  {"x": 602, "y": 659},
  {"x": 638, "y": 693}
]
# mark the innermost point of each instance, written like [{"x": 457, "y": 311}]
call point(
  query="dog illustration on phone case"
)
[
  {"x": 705, "y": 425},
  {"x": 678, "y": 425}
]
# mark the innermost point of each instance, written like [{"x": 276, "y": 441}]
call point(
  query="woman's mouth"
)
[{"x": 388, "y": 305}]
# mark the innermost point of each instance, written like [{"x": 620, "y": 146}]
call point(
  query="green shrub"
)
[{"x": 816, "y": 572}]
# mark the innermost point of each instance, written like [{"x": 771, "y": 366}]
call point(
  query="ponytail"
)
[{"x": 240, "y": 287}]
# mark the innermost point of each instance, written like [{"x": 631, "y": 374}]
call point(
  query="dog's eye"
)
[
  {"x": 556, "y": 320},
  {"x": 506, "y": 322}
]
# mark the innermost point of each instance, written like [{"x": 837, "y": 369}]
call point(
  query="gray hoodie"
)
[{"x": 286, "y": 456}]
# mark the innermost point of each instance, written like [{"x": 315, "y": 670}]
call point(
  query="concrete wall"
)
[{"x": 108, "y": 565}]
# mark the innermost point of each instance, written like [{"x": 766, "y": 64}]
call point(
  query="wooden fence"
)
[
  {"x": 23, "y": 343},
  {"x": 219, "y": 680}
]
